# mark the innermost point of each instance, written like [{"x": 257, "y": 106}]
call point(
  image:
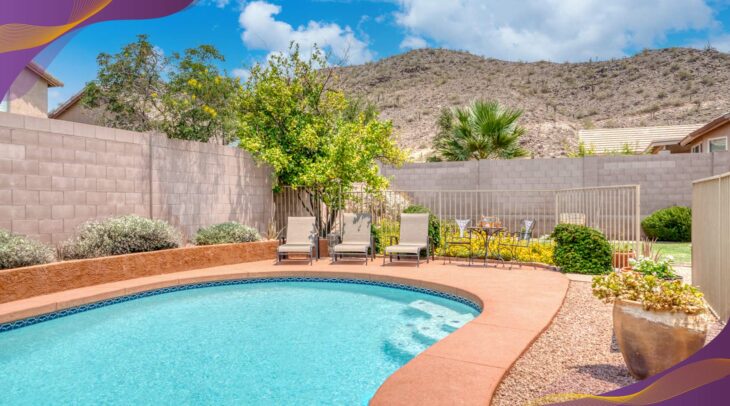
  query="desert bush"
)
[
  {"x": 669, "y": 224},
  {"x": 581, "y": 249},
  {"x": 226, "y": 233},
  {"x": 120, "y": 235},
  {"x": 17, "y": 251}
]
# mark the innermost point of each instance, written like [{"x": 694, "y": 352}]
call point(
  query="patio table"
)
[{"x": 487, "y": 232}]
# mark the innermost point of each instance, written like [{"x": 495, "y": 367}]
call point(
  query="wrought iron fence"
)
[{"x": 614, "y": 210}]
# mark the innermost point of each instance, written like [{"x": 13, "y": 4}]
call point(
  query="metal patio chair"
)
[{"x": 517, "y": 239}]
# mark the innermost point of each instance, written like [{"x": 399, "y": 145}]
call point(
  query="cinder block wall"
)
[
  {"x": 665, "y": 180},
  {"x": 57, "y": 174}
]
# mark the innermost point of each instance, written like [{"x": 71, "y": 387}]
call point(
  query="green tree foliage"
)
[
  {"x": 313, "y": 136},
  {"x": 669, "y": 224},
  {"x": 484, "y": 130},
  {"x": 127, "y": 87},
  {"x": 185, "y": 96}
]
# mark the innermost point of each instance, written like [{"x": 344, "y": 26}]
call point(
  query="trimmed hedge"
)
[
  {"x": 17, "y": 251},
  {"x": 226, "y": 233},
  {"x": 669, "y": 224},
  {"x": 120, "y": 235},
  {"x": 581, "y": 249}
]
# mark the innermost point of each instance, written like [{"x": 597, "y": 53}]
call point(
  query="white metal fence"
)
[
  {"x": 711, "y": 241},
  {"x": 614, "y": 210}
]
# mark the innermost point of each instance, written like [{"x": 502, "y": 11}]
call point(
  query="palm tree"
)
[{"x": 484, "y": 130}]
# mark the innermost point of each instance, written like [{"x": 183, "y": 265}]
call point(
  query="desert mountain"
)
[{"x": 654, "y": 87}]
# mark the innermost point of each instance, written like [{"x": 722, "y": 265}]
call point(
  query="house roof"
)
[
  {"x": 66, "y": 105},
  {"x": 665, "y": 142},
  {"x": 40, "y": 71},
  {"x": 717, "y": 122},
  {"x": 637, "y": 138}
]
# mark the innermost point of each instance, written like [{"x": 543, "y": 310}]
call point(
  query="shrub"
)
[
  {"x": 17, "y": 251},
  {"x": 652, "y": 292},
  {"x": 226, "y": 233},
  {"x": 581, "y": 249},
  {"x": 670, "y": 224},
  {"x": 120, "y": 235},
  {"x": 434, "y": 227}
]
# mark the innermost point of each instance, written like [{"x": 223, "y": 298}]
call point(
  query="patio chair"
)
[
  {"x": 301, "y": 233},
  {"x": 517, "y": 239},
  {"x": 413, "y": 238},
  {"x": 357, "y": 238}
]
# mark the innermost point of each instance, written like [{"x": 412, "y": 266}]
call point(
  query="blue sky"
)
[{"x": 359, "y": 31}]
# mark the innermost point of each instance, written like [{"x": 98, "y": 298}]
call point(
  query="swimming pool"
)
[{"x": 280, "y": 342}]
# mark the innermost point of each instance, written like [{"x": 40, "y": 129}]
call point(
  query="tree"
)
[
  {"x": 194, "y": 100},
  {"x": 313, "y": 136},
  {"x": 484, "y": 130},
  {"x": 127, "y": 85},
  {"x": 200, "y": 100}
]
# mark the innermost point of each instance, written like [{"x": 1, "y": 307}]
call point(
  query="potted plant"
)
[
  {"x": 660, "y": 267},
  {"x": 657, "y": 323},
  {"x": 622, "y": 254}
]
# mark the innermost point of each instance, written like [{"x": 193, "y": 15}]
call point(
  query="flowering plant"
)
[
  {"x": 653, "y": 293},
  {"x": 661, "y": 268}
]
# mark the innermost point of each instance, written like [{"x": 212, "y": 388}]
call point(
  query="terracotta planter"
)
[
  {"x": 621, "y": 259},
  {"x": 652, "y": 341},
  {"x": 324, "y": 248}
]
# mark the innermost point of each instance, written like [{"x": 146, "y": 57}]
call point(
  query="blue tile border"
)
[{"x": 12, "y": 325}]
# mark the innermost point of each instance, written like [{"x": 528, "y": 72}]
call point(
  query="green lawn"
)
[{"x": 681, "y": 251}]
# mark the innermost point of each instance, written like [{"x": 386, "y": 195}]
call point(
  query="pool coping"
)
[{"x": 518, "y": 305}]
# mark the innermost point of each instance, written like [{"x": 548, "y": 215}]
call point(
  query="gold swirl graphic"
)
[
  {"x": 14, "y": 37},
  {"x": 673, "y": 384}
]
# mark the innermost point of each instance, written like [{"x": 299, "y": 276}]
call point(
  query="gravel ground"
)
[{"x": 576, "y": 354}]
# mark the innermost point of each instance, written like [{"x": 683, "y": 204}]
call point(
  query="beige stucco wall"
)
[
  {"x": 80, "y": 114},
  {"x": 722, "y": 131},
  {"x": 57, "y": 174},
  {"x": 29, "y": 95}
]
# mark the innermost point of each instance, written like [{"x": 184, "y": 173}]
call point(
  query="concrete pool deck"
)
[{"x": 463, "y": 368}]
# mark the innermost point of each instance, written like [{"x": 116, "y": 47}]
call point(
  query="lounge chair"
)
[
  {"x": 357, "y": 238},
  {"x": 413, "y": 238},
  {"x": 301, "y": 233}
]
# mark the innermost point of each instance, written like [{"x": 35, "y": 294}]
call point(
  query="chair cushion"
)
[
  {"x": 306, "y": 248},
  {"x": 404, "y": 249},
  {"x": 352, "y": 247}
]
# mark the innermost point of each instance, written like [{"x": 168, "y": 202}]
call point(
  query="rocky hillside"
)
[{"x": 659, "y": 87}]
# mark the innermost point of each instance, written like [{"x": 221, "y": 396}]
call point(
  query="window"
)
[
  {"x": 4, "y": 105},
  {"x": 697, "y": 149},
  {"x": 718, "y": 144}
]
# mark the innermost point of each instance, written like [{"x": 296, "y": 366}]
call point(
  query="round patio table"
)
[{"x": 487, "y": 232}]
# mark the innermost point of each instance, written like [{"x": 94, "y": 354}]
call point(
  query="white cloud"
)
[
  {"x": 261, "y": 30},
  {"x": 217, "y": 3},
  {"x": 413, "y": 42},
  {"x": 556, "y": 30},
  {"x": 241, "y": 73}
]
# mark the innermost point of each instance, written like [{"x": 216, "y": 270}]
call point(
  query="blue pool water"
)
[{"x": 265, "y": 343}]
